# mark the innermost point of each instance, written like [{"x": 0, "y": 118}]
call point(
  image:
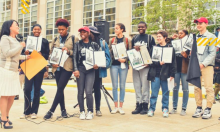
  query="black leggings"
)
[
  {"x": 85, "y": 84},
  {"x": 97, "y": 90},
  {"x": 37, "y": 80},
  {"x": 62, "y": 78}
]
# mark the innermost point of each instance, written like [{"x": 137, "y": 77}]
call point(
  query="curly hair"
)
[{"x": 62, "y": 22}]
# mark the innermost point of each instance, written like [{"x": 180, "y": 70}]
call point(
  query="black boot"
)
[
  {"x": 137, "y": 109},
  {"x": 144, "y": 109}
]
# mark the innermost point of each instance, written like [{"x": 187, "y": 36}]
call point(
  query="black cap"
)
[{"x": 94, "y": 30}]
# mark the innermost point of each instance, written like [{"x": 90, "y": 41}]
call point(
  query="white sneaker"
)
[
  {"x": 207, "y": 114},
  {"x": 114, "y": 111},
  {"x": 82, "y": 115},
  {"x": 89, "y": 116},
  {"x": 165, "y": 113},
  {"x": 121, "y": 111},
  {"x": 98, "y": 113},
  {"x": 24, "y": 116},
  {"x": 33, "y": 116},
  {"x": 173, "y": 111},
  {"x": 198, "y": 113}
]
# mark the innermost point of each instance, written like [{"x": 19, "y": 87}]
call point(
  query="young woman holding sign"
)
[
  {"x": 119, "y": 67},
  {"x": 31, "y": 109},
  {"x": 64, "y": 41},
  {"x": 158, "y": 75},
  {"x": 85, "y": 78}
]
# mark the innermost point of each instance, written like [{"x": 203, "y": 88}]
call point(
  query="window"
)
[
  {"x": 56, "y": 9},
  {"x": 136, "y": 4},
  {"x": 96, "y": 10},
  {"x": 26, "y": 21},
  {"x": 5, "y": 11}
]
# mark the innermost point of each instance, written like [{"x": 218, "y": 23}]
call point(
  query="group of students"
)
[{"x": 156, "y": 73}]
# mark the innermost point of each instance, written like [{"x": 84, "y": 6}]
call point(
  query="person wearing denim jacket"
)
[{"x": 206, "y": 62}]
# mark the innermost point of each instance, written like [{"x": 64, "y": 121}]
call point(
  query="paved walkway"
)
[
  {"x": 129, "y": 87},
  {"x": 109, "y": 122}
]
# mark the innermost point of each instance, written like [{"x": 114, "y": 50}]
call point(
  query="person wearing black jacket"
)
[
  {"x": 85, "y": 78},
  {"x": 141, "y": 84},
  {"x": 158, "y": 75},
  {"x": 32, "y": 109},
  {"x": 217, "y": 73}
]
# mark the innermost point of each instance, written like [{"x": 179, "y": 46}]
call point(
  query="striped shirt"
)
[{"x": 10, "y": 53}]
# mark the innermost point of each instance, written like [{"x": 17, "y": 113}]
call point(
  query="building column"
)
[
  {"x": 124, "y": 14},
  {"x": 14, "y": 9},
  {"x": 76, "y": 16},
  {"x": 42, "y": 16}
]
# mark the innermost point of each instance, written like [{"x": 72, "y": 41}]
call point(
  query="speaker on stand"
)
[{"x": 103, "y": 28}]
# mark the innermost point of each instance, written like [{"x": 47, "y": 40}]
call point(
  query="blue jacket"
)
[{"x": 103, "y": 71}]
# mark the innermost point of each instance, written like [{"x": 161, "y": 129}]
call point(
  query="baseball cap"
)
[
  {"x": 85, "y": 28},
  {"x": 94, "y": 29},
  {"x": 201, "y": 19}
]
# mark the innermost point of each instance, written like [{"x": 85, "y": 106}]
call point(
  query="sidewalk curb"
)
[{"x": 126, "y": 90}]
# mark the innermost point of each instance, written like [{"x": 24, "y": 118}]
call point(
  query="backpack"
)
[
  {"x": 104, "y": 47},
  {"x": 113, "y": 39}
]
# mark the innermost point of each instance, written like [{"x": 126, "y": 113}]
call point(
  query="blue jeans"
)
[
  {"x": 116, "y": 71},
  {"x": 185, "y": 89},
  {"x": 32, "y": 92},
  {"x": 155, "y": 87}
]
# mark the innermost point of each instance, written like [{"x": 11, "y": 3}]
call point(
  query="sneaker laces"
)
[
  {"x": 198, "y": 111},
  {"x": 206, "y": 112}
]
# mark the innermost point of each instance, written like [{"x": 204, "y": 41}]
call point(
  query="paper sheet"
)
[
  {"x": 145, "y": 55},
  {"x": 63, "y": 59},
  {"x": 135, "y": 58},
  {"x": 34, "y": 43},
  {"x": 88, "y": 67},
  {"x": 121, "y": 49},
  {"x": 115, "y": 53},
  {"x": 100, "y": 58},
  {"x": 123, "y": 66},
  {"x": 56, "y": 56},
  {"x": 34, "y": 65},
  {"x": 177, "y": 45},
  {"x": 170, "y": 84},
  {"x": 167, "y": 54},
  {"x": 157, "y": 53},
  {"x": 89, "y": 57}
]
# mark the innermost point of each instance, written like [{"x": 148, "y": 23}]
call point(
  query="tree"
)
[
  {"x": 159, "y": 14},
  {"x": 166, "y": 14},
  {"x": 194, "y": 9}
]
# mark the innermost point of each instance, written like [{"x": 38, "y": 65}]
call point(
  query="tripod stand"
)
[{"x": 105, "y": 92}]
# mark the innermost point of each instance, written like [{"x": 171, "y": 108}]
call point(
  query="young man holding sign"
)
[
  {"x": 206, "y": 62},
  {"x": 141, "y": 84}
]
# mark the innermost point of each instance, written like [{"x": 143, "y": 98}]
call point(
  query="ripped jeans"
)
[{"x": 185, "y": 89}]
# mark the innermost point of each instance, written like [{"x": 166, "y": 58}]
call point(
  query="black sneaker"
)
[
  {"x": 49, "y": 115},
  {"x": 64, "y": 114},
  {"x": 144, "y": 109},
  {"x": 137, "y": 109}
]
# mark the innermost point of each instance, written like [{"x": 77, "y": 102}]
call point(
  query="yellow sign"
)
[
  {"x": 25, "y": 6},
  {"x": 210, "y": 41}
]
